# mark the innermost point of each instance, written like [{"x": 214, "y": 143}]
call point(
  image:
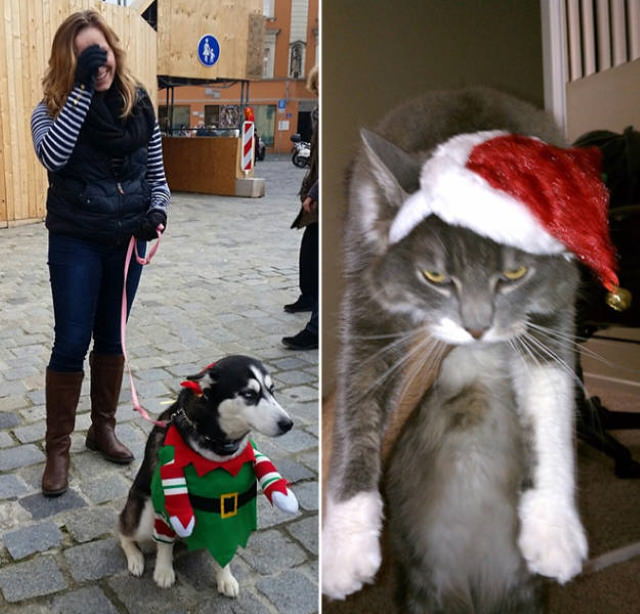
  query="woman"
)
[
  {"x": 96, "y": 133},
  {"x": 307, "y": 338}
]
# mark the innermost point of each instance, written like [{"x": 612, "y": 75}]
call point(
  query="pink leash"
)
[{"x": 133, "y": 248}]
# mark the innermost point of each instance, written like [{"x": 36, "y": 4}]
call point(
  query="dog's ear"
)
[
  {"x": 210, "y": 370},
  {"x": 213, "y": 371}
]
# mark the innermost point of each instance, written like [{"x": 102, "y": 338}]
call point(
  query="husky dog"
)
[
  {"x": 211, "y": 420},
  {"x": 481, "y": 490}
]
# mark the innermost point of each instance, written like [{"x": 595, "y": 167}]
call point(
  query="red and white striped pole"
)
[{"x": 248, "y": 131}]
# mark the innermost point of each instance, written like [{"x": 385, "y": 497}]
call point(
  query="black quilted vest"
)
[{"x": 87, "y": 199}]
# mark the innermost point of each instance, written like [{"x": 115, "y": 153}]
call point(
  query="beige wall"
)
[
  {"x": 609, "y": 100},
  {"x": 378, "y": 53}
]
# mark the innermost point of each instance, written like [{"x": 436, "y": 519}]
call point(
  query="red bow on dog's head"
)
[{"x": 197, "y": 389}]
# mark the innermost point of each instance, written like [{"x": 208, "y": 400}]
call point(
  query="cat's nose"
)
[{"x": 476, "y": 333}]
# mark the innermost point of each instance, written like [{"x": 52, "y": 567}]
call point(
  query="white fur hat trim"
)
[{"x": 460, "y": 197}]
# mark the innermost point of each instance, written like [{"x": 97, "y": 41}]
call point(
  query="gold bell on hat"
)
[{"x": 619, "y": 299}]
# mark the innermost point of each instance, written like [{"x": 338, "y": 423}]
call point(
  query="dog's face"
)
[{"x": 238, "y": 397}]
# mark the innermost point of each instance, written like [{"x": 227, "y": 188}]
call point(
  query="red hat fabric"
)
[{"x": 519, "y": 191}]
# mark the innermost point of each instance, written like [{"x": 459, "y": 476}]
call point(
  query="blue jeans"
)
[{"x": 86, "y": 285}]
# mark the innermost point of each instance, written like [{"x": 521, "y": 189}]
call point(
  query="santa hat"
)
[{"x": 518, "y": 191}]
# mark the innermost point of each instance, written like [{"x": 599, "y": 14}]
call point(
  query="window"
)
[
  {"x": 181, "y": 119},
  {"x": 265, "y": 122},
  {"x": 296, "y": 60},
  {"x": 212, "y": 115},
  {"x": 269, "y": 55},
  {"x": 268, "y": 9}
]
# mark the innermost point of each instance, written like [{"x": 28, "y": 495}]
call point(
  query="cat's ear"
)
[{"x": 396, "y": 171}]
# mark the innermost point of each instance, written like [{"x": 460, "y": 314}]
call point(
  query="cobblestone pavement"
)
[{"x": 224, "y": 269}]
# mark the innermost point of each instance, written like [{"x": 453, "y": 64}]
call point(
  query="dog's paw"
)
[
  {"x": 351, "y": 544},
  {"x": 164, "y": 576},
  {"x": 135, "y": 563},
  {"x": 287, "y": 503},
  {"x": 227, "y": 584},
  {"x": 552, "y": 539},
  {"x": 135, "y": 558}
]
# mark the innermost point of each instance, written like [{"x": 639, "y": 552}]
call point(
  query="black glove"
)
[
  {"x": 147, "y": 230},
  {"x": 88, "y": 63}
]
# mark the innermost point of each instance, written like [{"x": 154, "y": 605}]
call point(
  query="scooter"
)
[{"x": 301, "y": 152}]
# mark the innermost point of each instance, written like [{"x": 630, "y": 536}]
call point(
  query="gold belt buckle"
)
[{"x": 230, "y": 496}]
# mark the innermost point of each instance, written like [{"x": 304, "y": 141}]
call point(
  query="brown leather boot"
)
[
  {"x": 106, "y": 380},
  {"x": 62, "y": 391}
]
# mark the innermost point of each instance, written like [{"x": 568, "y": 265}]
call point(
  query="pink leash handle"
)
[{"x": 133, "y": 247}]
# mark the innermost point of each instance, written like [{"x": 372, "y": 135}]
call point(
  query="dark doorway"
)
[{"x": 304, "y": 125}]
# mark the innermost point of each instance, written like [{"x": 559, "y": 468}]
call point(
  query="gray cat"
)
[{"x": 481, "y": 486}]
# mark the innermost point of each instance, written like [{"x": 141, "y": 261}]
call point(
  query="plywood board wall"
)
[
  {"x": 26, "y": 31},
  {"x": 238, "y": 27}
]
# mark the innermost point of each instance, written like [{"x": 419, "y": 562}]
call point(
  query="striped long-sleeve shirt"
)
[{"x": 55, "y": 138}]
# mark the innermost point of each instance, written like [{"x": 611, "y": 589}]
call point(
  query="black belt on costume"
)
[{"x": 226, "y": 505}]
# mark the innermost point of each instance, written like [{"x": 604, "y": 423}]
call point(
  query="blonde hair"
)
[
  {"x": 60, "y": 74},
  {"x": 313, "y": 81}
]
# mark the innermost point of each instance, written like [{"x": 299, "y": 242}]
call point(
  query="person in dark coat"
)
[{"x": 307, "y": 218}]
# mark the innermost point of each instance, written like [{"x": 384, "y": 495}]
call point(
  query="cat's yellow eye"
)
[
  {"x": 515, "y": 274},
  {"x": 435, "y": 277}
]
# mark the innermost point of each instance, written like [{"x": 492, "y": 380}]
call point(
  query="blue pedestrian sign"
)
[{"x": 208, "y": 50}]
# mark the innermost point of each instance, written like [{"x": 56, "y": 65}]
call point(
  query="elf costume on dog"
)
[{"x": 212, "y": 505}]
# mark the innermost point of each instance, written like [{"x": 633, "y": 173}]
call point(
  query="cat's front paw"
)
[
  {"x": 552, "y": 539},
  {"x": 351, "y": 544}
]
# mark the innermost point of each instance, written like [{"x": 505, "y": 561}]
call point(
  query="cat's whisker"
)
[
  {"x": 384, "y": 349},
  {"x": 569, "y": 343},
  {"x": 571, "y": 340},
  {"x": 387, "y": 336},
  {"x": 551, "y": 354},
  {"x": 521, "y": 344},
  {"x": 405, "y": 336},
  {"x": 426, "y": 346},
  {"x": 562, "y": 339},
  {"x": 516, "y": 350},
  {"x": 539, "y": 346},
  {"x": 556, "y": 335},
  {"x": 556, "y": 332},
  {"x": 422, "y": 345},
  {"x": 609, "y": 363},
  {"x": 527, "y": 359},
  {"x": 542, "y": 349},
  {"x": 429, "y": 361}
]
